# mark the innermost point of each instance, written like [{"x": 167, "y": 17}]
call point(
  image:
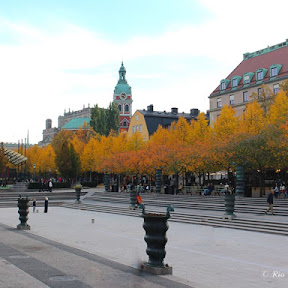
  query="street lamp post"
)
[{"x": 34, "y": 167}]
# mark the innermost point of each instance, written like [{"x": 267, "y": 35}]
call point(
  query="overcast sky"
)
[{"x": 58, "y": 55}]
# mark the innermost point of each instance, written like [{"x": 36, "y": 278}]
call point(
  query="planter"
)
[
  {"x": 78, "y": 193},
  {"x": 229, "y": 206},
  {"x": 156, "y": 226},
  {"x": 23, "y": 205}
]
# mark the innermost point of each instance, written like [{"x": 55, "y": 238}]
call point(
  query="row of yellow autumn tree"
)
[{"x": 258, "y": 140}]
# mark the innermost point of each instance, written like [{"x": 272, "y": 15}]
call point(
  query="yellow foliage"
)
[
  {"x": 252, "y": 120},
  {"x": 278, "y": 112},
  {"x": 226, "y": 124}
]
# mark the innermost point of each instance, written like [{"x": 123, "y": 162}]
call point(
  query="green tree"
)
[
  {"x": 104, "y": 120},
  {"x": 259, "y": 152},
  {"x": 67, "y": 160}
]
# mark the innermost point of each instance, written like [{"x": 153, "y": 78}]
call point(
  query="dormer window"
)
[
  {"x": 224, "y": 84},
  {"x": 247, "y": 77},
  {"x": 274, "y": 70},
  {"x": 235, "y": 81},
  {"x": 260, "y": 74}
]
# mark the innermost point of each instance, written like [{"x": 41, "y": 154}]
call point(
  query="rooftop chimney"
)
[
  {"x": 174, "y": 110},
  {"x": 150, "y": 108},
  {"x": 194, "y": 112}
]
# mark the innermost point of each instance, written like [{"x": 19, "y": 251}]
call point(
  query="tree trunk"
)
[{"x": 262, "y": 184}]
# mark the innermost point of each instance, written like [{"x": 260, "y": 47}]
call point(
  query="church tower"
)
[{"x": 123, "y": 98}]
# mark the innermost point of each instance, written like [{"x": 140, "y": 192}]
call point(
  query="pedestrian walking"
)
[
  {"x": 50, "y": 185},
  {"x": 46, "y": 205},
  {"x": 270, "y": 202},
  {"x": 34, "y": 205},
  {"x": 42, "y": 185}
]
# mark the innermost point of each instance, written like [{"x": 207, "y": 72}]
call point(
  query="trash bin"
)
[
  {"x": 166, "y": 190},
  {"x": 248, "y": 190}
]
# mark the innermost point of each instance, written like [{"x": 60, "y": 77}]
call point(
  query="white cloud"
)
[{"x": 34, "y": 68}]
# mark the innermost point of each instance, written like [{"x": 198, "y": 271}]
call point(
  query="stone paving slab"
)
[{"x": 201, "y": 256}]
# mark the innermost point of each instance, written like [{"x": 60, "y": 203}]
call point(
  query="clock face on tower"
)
[{"x": 123, "y": 95}]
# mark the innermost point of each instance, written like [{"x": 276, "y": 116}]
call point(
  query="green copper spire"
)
[{"x": 122, "y": 85}]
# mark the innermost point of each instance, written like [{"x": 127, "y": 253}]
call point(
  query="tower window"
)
[
  {"x": 120, "y": 107},
  {"x": 126, "y": 108}
]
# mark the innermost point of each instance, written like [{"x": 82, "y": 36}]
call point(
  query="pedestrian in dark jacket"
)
[
  {"x": 270, "y": 202},
  {"x": 34, "y": 205},
  {"x": 46, "y": 205}
]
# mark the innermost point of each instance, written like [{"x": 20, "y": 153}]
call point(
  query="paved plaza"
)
[{"x": 64, "y": 248}]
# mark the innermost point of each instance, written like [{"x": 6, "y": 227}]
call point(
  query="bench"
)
[{"x": 193, "y": 190}]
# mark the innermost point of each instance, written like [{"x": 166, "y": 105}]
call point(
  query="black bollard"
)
[
  {"x": 23, "y": 210},
  {"x": 78, "y": 193},
  {"x": 133, "y": 198},
  {"x": 229, "y": 206},
  {"x": 156, "y": 226}
]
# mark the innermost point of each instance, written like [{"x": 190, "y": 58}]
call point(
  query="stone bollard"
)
[
  {"x": 78, "y": 189},
  {"x": 156, "y": 226},
  {"x": 23, "y": 205},
  {"x": 229, "y": 206},
  {"x": 133, "y": 198}
]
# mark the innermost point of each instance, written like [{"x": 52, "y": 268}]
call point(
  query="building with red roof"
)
[{"x": 268, "y": 66}]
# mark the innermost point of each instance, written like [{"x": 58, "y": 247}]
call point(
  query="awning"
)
[{"x": 14, "y": 157}]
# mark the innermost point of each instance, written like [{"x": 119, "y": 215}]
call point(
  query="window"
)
[
  {"x": 231, "y": 99},
  {"x": 219, "y": 103},
  {"x": 140, "y": 128},
  {"x": 120, "y": 107},
  {"x": 246, "y": 79},
  {"x": 126, "y": 108},
  {"x": 273, "y": 71},
  {"x": 136, "y": 127},
  {"x": 234, "y": 82},
  {"x": 133, "y": 129},
  {"x": 259, "y": 75},
  {"x": 137, "y": 117},
  {"x": 124, "y": 123},
  {"x": 245, "y": 96},
  {"x": 276, "y": 88},
  {"x": 224, "y": 84},
  {"x": 259, "y": 92}
]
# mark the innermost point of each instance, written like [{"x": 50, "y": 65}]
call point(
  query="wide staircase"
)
[
  {"x": 199, "y": 210},
  {"x": 56, "y": 197}
]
